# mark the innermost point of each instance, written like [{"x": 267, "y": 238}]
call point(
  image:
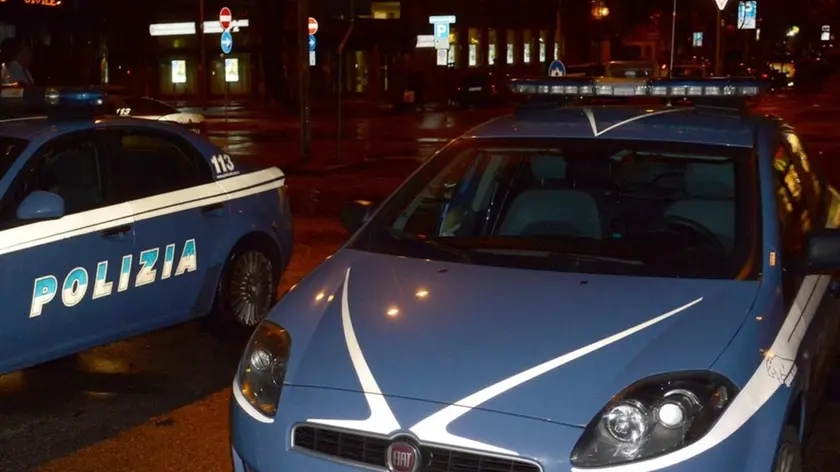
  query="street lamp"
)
[{"x": 599, "y": 10}]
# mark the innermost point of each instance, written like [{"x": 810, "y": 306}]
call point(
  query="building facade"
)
[{"x": 62, "y": 34}]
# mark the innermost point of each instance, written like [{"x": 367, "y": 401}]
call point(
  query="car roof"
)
[
  {"x": 673, "y": 124},
  {"x": 30, "y": 127}
]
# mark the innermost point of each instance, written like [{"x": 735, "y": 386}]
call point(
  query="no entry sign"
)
[
  {"x": 225, "y": 18},
  {"x": 313, "y": 25}
]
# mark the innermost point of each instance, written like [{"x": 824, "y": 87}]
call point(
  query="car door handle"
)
[
  {"x": 212, "y": 208},
  {"x": 117, "y": 232}
]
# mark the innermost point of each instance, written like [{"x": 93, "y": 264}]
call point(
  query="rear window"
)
[{"x": 10, "y": 150}]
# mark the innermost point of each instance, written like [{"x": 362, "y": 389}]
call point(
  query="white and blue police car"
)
[
  {"x": 117, "y": 226},
  {"x": 623, "y": 276}
]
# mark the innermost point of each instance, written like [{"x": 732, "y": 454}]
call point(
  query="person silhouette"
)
[{"x": 16, "y": 57}]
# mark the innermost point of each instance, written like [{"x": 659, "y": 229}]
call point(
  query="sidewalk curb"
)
[{"x": 316, "y": 169}]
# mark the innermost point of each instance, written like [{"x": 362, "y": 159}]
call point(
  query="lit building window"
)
[
  {"x": 511, "y": 43},
  {"x": 474, "y": 59},
  {"x": 526, "y": 46},
  {"x": 453, "y": 47},
  {"x": 543, "y": 45},
  {"x": 491, "y": 47},
  {"x": 385, "y": 10}
]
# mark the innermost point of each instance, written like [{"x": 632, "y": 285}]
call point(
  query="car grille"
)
[{"x": 370, "y": 451}]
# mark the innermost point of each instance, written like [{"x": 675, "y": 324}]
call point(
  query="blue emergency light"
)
[
  {"x": 52, "y": 96},
  {"x": 573, "y": 87}
]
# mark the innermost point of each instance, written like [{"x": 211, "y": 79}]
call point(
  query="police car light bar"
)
[
  {"x": 51, "y": 97},
  {"x": 664, "y": 88}
]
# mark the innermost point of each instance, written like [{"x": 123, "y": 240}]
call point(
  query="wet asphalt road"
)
[{"x": 160, "y": 402}]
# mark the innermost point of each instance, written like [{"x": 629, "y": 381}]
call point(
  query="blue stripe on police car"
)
[{"x": 75, "y": 285}]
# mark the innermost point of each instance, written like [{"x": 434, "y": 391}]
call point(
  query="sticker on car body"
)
[
  {"x": 77, "y": 281},
  {"x": 223, "y": 166}
]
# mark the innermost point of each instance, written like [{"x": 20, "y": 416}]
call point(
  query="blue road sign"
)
[
  {"x": 556, "y": 69},
  {"x": 747, "y": 15},
  {"x": 441, "y": 31},
  {"x": 227, "y": 42},
  {"x": 311, "y": 42}
]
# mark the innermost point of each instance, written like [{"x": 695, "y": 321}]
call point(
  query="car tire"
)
[
  {"x": 789, "y": 452},
  {"x": 247, "y": 290}
]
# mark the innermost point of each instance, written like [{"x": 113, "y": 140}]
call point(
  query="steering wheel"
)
[{"x": 684, "y": 225}]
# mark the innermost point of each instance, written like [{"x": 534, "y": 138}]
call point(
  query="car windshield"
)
[
  {"x": 577, "y": 205},
  {"x": 10, "y": 149}
]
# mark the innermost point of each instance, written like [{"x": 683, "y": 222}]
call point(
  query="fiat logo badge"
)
[{"x": 402, "y": 457}]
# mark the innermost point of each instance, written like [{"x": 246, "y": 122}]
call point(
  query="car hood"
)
[{"x": 548, "y": 345}]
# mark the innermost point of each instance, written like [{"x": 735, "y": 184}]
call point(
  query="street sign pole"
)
[
  {"x": 718, "y": 64},
  {"x": 202, "y": 73},
  {"x": 673, "y": 39},
  {"x": 303, "y": 81},
  {"x": 721, "y": 4},
  {"x": 226, "y": 22}
]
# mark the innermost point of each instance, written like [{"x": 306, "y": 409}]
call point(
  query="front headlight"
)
[
  {"x": 263, "y": 367},
  {"x": 654, "y": 417}
]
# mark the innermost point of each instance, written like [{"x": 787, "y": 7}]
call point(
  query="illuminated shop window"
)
[
  {"x": 511, "y": 42},
  {"x": 232, "y": 70},
  {"x": 491, "y": 47},
  {"x": 179, "y": 71}
]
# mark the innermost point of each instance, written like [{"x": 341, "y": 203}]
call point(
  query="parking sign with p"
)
[{"x": 441, "y": 31}]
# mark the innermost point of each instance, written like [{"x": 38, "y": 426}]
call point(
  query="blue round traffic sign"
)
[
  {"x": 227, "y": 42},
  {"x": 311, "y": 42},
  {"x": 556, "y": 69}
]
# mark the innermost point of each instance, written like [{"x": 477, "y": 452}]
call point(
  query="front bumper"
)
[{"x": 268, "y": 447}]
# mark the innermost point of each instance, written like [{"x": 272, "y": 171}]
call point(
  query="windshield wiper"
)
[
  {"x": 596, "y": 258},
  {"x": 560, "y": 255},
  {"x": 463, "y": 255}
]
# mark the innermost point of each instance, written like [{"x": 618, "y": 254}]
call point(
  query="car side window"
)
[
  {"x": 795, "y": 222},
  {"x": 812, "y": 178},
  {"x": 72, "y": 168},
  {"x": 151, "y": 163}
]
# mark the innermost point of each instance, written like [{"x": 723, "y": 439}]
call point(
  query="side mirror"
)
[
  {"x": 41, "y": 205},
  {"x": 355, "y": 214},
  {"x": 822, "y": 251}
]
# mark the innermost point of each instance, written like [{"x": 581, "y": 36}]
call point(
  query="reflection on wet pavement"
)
[{"x": 369, "y": 138}]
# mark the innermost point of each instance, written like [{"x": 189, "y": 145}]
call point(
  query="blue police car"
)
[
  {"x": 114, "y": 227},
  {"x": 585, "y": 285}
]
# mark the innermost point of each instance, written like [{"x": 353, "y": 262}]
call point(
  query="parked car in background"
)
[
  {"x": 484, "y": 89},
  {"x": 692, "y": 71},
  {"x": 151, "y": 109},
  {"x": 641, "y": 69},
  {"x": 112, "y": 227}
]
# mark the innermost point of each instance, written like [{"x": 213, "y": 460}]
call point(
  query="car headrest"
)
[
  {"x": 548, "y": 167},
  {"x": 708, "y": 180}
]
